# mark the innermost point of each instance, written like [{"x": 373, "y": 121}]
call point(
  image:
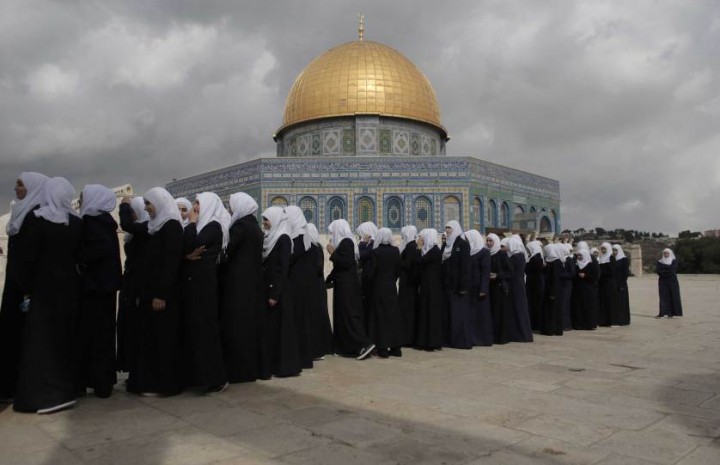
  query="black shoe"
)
[
  {"x": 383, "y": 353},
  {"x": 102, "y": 393},
  {"x": 217, "y": 388},
  {"x": 396, "y": 352}
]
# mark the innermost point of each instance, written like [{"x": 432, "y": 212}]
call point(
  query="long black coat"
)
[
  {"x": 202, "y": 355},
  {"x": 385, "y": 319},
  {"x": 242, "y": 300},
  {"x": 12, "y": 319},
  {"x": 607, "y": 291},
  {"x": 480, "y": 315},
  {"x": 567, "y": 276},
  {"x": 551, "y": 322},
  {"x": 319, "y": 319},
  {"x": 349, "y": 336},
  {"x": 156, "y": 367},
  {"x": 457, "y": 284},
  {"x": 501, "y": 303},
  {"x": 523, "y": 330},
  {"x": 430, "y": 302},
  {"x": 408, "y": 291},
  {"x": 622, "y": 312},
  {"x": 305, "y": 300},
  {"x": 669, "y": 289},
  {"x": 49, "y": 276},
  {"x": 585, "y": 297},
  {"x": 535, "y": 288},
  {"x": 101, "y": 273},
  {"x": 365, "y": 249}
]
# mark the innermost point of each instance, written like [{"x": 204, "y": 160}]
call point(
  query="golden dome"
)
[{"x": 362, "y": 77}]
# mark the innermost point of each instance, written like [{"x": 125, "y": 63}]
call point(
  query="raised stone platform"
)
[{"x": 644, "y": 394}]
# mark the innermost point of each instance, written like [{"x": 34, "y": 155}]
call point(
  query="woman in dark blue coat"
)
[
  {"x": 385, "y": 321},
  {"x": 622, "y": 271},
  {"x": 607, "y": 287},
  {"x": 551, "y": 321},
  {"x": 535, "y": 283},
  {"x": 518, "y": 258},
  {"x": 409, "y": 284},
  {"x": 429, "y": 327},
  {"x": 501, "y": 300},
  {"x": 668, "y": 286},
  {"x": 480, "y": 316},
  {"x": 456, "y": 279},
  {"x": 585, "y": 292}
]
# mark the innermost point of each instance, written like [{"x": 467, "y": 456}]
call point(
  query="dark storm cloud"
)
[{"x": 619, "y": 102}]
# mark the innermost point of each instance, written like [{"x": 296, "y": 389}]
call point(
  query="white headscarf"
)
[
  {"x": 384, "y": 236},
  {"x": 138, "y": 206},
  {"x": 582, "y": 245},
  {"x": 429, "y": 237},
  {"x": 667, "y": 260},
  {"x": 97, "y": 199},
  {"x": 188, "y": 205},
  {"x": 516, "y": 246},
  {"x": 505, "y": 242},
  {"x": 535, "y": 248},
  {"x": 594, "y": 250},
  {"x": 584, "y": 259},
  {"x": 57, "y": 205},
  {"x": 34, "y": 185},
  {"x": 450, "y": 241},
  {"x": 241, "y": 205},
  {"x": 605, "y": 257},
  {"x": 212, "y": 209},
  {"x": 620, "y": 253},
  {"x": 298, "y": 225},
  {"x": 313, "y": 234},
  {"x": 552, "y": 253},
  {"x": 278, "y": 227},
  {"x": 496, "y": 243},
  {"x": 340, "y": 230},
  {"x": 367, "y": 228},
  {"x": 166, "y": 208},
  {"x": 408, "y": 234},
  {"x": 476, "y": 241}
]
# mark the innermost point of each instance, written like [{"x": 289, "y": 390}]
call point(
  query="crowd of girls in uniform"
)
[{"x": 210, "y": 297}]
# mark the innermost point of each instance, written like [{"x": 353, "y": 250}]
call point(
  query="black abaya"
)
[
  {"x": 551, "y": 321},
  {"x": 535, "y": 289},
  {"x": 242, "y": 300},
  {"x": 320, "y": 328},
  {"x": 585, "y": 297},
  {"x": 456, "y": 281},
  {"x": 607, "y": 291},
  {"x": 567, "y": 276},
  {"x": 385, "y": 322},
  {"x": 301, "y": 279},
  {"x": 480, "y": 316},
  {"x": 523, "y": 331},
  {"x": 408, "y": 291},
  {"x": 669, "y": 289},
  {"x": 501, "y": 304},
  {"x": 365, "y": 249},
  {"x": 622, "y": 312},
  {"x": 430, "y": 302}
]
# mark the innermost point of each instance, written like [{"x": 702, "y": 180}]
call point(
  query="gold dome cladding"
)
[{"x": 361, "y": 77}]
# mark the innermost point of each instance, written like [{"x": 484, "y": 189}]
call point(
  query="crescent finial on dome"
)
[{"x": 361, "y": 27}]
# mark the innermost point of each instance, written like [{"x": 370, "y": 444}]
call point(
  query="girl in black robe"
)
[
  {"x": 480, "y": 316},
  {"x": 242, "y": 298},
  {"x": 551, "y": 321},
  {"x": 101, "y": 272},
  {"x": 279, "y": 349},
  {"x": 668, "y": 286},
  {"x": 607, "y": 287},
  {"x": 622, "y": 271},
  {"x": 301, "y": 279},
  {"x": 456, "y": 283},
  {"x": 319, "y": 318},
  {"x": 518, "y": 259},
  {"x": 585, "y": 292},
  {"x": 501, "y": 304},
  {"x": 567, "y": 276},
  {"x": 385, "y": 321},
  {"x": 429, "y": 335},
  {"x": 410, "y": 257},
  {"x": 349, "y": 336},
  {"x": 367, "y": 232},
  {"x": 133, "y": 220},
  {"x": 50, "y": 284},
  {"x": 535, "y": 283},
  {"x": 29, "y": 192},
  {"x": 205, "y": 237},
  {"x": 156, "y": 367}
]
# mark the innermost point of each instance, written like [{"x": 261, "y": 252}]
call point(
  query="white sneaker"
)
[
  {"x": 320, "y": 359},
  {"x": 365, "y": 352},
  {"x": 56, "y": 408}
]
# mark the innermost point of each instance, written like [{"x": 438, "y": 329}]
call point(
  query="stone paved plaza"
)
[{"x": 644, "y": 394}]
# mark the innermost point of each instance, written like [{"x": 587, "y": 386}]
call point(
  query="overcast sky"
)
[{"x": 619, "y": 101}]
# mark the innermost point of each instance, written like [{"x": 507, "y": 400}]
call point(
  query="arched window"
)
[
  {"x": 504, "y": 215},
  {"x": 423, "y": 213},
  {"x": 335, "y": 209},
  {"x": 533, "y": 209},
  {"x": 365, "y": 210},
  {"x": 491, "y": 216},
  {"x": 451, "y": 209},
  {"x": 308, "y": 205},
  {"x": 477, "y": 213},
  {"x": 555, "y": 221},
  {"x": 279, "y": 201},
  {"x": 394, "y": 213},
  {"x": 545, "y": 225}
]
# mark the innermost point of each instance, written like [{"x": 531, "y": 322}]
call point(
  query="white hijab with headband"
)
[
  {"x": 552, "y": 253},
  {"x": 408, "y": 234},
  {"x": 34, "y": 185},
  {"x": 584, "y": 259},
  {"x": 279, "y": 226},
  {"x": 593, "y": 250},
  {"x": 97, "y": 199},
  {"x": 384, "y": 236},
  {"x": 450, "y": 241},
  {"x": 582, "y": 245},
  {"x": 57, "y": 204},
  {"x": 476, "y": 241},
  {"x": 620, "y": 253},
  {"x": 605, "y": 257},
  {"x": 516, "y": 245},
  {"x": 367, "y": 228},
  {"x": 535, "y": 248},
  {"x": 496, "y": 243},
  {"x": 212, "y": 209},
  {"x": 242, "y": 205},
  {"x": 166, "y": 208},
  {"x": 340, "y": 230},
  {"x": 667, "y": 260},
  {"x": 313, "y": 234},
  {"x": 298, "y": 225},
  {"x": 429, "y": 237},
  {"x": 187, "y": 204}
]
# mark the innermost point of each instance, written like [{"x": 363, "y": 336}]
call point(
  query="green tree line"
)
[{"x": 699, "y": 255}]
